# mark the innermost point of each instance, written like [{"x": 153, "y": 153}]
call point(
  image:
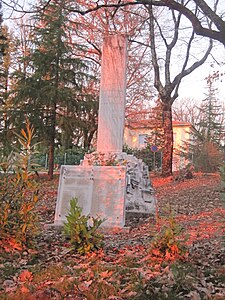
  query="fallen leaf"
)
[
  {"x": 24, "y": 289},
  {"x": 25, "y": 276},
  {"x": 106, "y": 274}
]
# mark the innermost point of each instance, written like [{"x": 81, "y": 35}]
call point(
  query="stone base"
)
[
  {"x": 110, "y": 186},
  {"x": 133, "y": 219},
  {"x": 139, "y": 195},
  {"x": 100, "y": 191}
]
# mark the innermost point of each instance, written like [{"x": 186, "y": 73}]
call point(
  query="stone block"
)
[
  {"x": 100, "y": 192},
  {"x": 109, "y": 192}
]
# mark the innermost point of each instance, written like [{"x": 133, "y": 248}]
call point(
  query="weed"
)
[
  {"x": 83, "y": 236},
  {"x": 169, "y": 243},
  {"x": 18, "y": 195}
]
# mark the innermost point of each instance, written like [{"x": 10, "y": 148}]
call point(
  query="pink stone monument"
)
[
  {"x": 112, "y": 94},
  {"x": 108, "y": 183}
]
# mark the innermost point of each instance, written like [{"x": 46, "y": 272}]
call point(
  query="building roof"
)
[
  {"x": 137, "y": 124},
  {"x": 180, "y": 123}
]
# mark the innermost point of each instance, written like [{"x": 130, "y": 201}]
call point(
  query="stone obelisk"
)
[
  {"x": 112, "y": 94},
  {"x": 108, "y": 183}
]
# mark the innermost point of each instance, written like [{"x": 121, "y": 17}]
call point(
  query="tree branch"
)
[
  {"x": 196, "y": 23},
  {"x": 172, "y": 4},
  {"x": 195, "y": 65},
  {"x": 157, "y": 82}
]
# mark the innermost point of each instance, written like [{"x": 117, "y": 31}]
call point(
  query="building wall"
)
[
  {"x": 134, "y": 138},
  {"x": 181, "y": 138}
]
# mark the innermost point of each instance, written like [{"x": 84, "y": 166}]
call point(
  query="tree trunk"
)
[
  {"x": 168, "y": 140},
  {"x": 85, "y": 137},
  {"x": 52, "y": 145},
  {"x": 51, "y": 160},
  {"x": 91, "y": 135}
]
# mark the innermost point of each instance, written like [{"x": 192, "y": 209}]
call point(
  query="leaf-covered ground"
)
[{"x": 126, "y": 268}]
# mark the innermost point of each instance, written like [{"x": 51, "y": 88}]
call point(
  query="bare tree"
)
[
  {"x": 186, "y": 110},
  {"x": 207, "y": 12},
  {"x": 166, "y": 83},
  {"x": 130, "y": 21},
  {"x": 171, "y": 39},
  {"x": 201, "y": 22}
]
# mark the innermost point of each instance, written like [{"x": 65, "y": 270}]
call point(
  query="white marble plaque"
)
[
  {"x": 74, "y": 181},
  {"x": 100, "y": 191},
  {"x": 109, "y": 195}
]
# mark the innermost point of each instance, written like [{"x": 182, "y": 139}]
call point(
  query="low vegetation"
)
[
  {"x": 180, "y": 256},
  {"x": 19, "y": 195},
  {"x": 81, "y": 230}
]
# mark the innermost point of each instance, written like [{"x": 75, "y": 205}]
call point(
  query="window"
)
[{"x": 142, "y": 143}]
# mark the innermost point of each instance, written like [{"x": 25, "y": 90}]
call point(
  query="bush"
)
[
  {"x": 208, "y": 157},
  {"x": 151, "y": 159},
  {"x": 62, "y": 157},
  {"x": 83, "y": 236},
  {"x": 18, "y": 195},
  {"x": 169, "y": 243}
]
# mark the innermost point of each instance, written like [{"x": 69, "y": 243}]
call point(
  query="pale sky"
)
[{"x": 194, "y": 85}]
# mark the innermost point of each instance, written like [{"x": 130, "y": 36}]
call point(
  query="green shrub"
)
[
  {"x": 205, "y": 156},
  {"x": 83, "y": 236},
  {"x": 18, "y": 195},
  {"x": 152, "y": 159},
  {"x": 169, "y": 243}
]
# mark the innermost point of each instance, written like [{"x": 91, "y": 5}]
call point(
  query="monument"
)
[
  {"x": 108, "y": 183},
  {"x": 112, "y": 95}
]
